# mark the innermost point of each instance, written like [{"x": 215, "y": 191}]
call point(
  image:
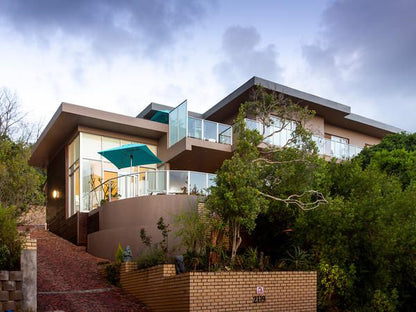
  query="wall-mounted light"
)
[{"x": 56, "y": 194}]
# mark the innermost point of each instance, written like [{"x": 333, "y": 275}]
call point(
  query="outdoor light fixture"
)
[{"x": 56, "y": 194}]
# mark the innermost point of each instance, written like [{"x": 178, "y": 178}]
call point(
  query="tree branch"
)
[{"x": 295, "y": 199}]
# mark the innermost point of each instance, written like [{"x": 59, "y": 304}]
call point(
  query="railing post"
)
[
  {"x": 202, "y": 130},
  {"x": 109, "y": 190}
]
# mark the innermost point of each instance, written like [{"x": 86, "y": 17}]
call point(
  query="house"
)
[{"x": 91, "y": 202}]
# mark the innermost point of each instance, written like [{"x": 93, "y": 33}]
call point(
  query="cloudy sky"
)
[{"x": 122, "y": 55}]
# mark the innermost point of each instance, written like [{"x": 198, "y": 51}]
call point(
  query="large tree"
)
[
  {"x": 364, "y": 242},
  {"x": 255, "y": 176}
]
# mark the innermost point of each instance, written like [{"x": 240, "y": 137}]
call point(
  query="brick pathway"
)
[{"x": 68, "y": 279}]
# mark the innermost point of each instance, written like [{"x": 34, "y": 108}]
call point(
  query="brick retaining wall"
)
[{"x": 162, "y": 290}]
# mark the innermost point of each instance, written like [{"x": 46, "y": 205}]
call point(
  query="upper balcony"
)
[
  {"x": 209, "y": 131},
  {"x": 182, "y": 125},
  {"x": 326, "y": 147}
]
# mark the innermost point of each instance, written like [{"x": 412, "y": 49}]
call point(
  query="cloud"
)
[
  {"x": 243, "y": 58},
  {"x": 110, "y": 27},
  {"x": 369, "y": 48}
]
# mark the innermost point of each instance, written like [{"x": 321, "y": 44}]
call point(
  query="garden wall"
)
[
  {"x": 162, "y": 290},
  {"x": 18, "y": 289}
]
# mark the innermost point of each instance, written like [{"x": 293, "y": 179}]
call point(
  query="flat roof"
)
[
  {"x": 68, "y": 117},
  {"x": 333, "y": 112}
]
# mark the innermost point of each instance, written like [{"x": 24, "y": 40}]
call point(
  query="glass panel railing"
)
[
  {"x": 195, "y": 128},
  {"x": 280, "y": 136},
  {"x": 225, "y": 134},
  {"x": 150, "y": 183},
  {"x": 276, "y": 134},
  {"x": 178, "y": 182},
  {"x": 210, "y": 131},
  {"x": 336, "y": 149}
]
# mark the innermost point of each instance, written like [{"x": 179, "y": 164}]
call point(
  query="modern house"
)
[{"x": 92, "y": 202}]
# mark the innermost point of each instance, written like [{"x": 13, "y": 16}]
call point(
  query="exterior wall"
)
[
  {"x": 120, "y": 222},
  {"x": 355, "y": 138},
  {"x": 162, "y": 290},
  {"x": 316, "y": 125},
  {"x": 55, "y": 207}
]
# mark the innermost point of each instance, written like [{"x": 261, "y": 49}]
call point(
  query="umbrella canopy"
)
[{"x": 130, "y": 155}]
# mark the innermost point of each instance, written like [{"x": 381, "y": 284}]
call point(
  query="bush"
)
[
  {"x": 10, "y": 241},
  {"x": 119, "y": 254},
  {"x": 154, "y": 256},
  {"x": 113, "y": 273}
]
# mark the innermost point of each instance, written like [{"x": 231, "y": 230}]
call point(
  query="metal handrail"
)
[
  {"x": 218, "y": 134},
  {"x": 163, "y": 182}
]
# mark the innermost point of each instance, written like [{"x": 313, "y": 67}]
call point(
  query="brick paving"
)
[{"x": 68, "y": 279}]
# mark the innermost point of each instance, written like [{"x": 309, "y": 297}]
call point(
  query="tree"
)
[
  {"x": 20, "y": 184},
  {"x": 395, "y": 155},
  {"x": 251, "y": 179},
  {"x": 364, "y": 242},
  {"x": 13, "y": 122}
]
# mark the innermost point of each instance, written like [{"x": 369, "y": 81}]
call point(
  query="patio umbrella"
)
[{"x": 130, "y": 155}]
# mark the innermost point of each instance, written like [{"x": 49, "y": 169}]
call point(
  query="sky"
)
[{"x": 121, "y": 55}]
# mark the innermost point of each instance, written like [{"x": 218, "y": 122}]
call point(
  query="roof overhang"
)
[
  {"x": 333, "y": 112},
  {"x": 69, "y": 117}
]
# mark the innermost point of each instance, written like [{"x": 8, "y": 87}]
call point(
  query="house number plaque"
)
[{"x": 260, "y": 298}]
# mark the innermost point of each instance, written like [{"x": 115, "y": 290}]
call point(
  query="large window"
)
[{"x": 87, "y": 170}]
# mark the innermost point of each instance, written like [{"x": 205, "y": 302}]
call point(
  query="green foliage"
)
[
  {"x": 164, "y": 229},
  {"x": 146, "y": 239},
  {"x": 193, "y": 229},
  {"x": 119, "y": 254},
  {"x": 297, "y": 259},
  {"x": 334, "y": 282},
  {"x": 395, "y": 155},
  {"x": 153, "y": 256},
  {"x": 367, "y": 233},
  {"x": 113, "y": 273},
  {"x": 156, "y": 254},
  {"x": 20, "y": 184},
  {"x": 10, "y": 241},
  {"x": 261, "y": 176},
  {"x": 382, "y": 302}
]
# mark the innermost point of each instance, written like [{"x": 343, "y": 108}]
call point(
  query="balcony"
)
[
  {"x": 326, "y": 147},
  {"x": 333, "y": 148},
  {"x": 149, "y": 183},
  {"x": 209, "y": 131}
]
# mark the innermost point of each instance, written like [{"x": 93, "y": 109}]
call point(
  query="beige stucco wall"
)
[
  {"x": 355, "y": 138},
  {"x": 121, "y": 221}
]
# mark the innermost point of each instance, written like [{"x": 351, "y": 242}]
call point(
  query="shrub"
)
[
  {"x": 154, "y": 256},
  {"x": 10, "y": 241},
  {"x": 119, "y": 254},
  {"x": 113, "y": 273}
]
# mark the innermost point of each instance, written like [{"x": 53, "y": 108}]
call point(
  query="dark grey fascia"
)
[
  {"x": 256, "y": 81},
  {"x": 373, "y": 123}
]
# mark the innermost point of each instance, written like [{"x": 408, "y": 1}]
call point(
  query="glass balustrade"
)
[
  {"x": 150, "y": 183},
  {"x": 209, "y": 131},
  {"x": 335, "y": 148},
  {"x": 279, "y": 136}
]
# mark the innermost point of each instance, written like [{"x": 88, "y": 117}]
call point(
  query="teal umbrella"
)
[{"x": 130, "y": 155}]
